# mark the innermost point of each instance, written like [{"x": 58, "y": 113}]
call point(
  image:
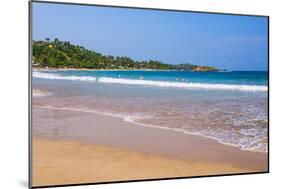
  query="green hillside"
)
[{"x": 63, "y": 54}]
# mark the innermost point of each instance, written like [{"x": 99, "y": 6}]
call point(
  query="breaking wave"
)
[{"x": 185, "y": 85}]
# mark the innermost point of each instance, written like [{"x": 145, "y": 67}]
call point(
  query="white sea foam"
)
[
  {"x": 184, "y": 85},
  {"x": 39, "y": 93},
  {"x": 242, "y": 144},
  {"x": 60, "y": 77}
]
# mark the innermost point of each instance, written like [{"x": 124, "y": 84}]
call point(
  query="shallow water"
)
[{"x": 230, "y": 107}]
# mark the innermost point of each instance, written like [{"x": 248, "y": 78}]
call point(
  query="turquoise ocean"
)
[{"x": 229, "y": 107}]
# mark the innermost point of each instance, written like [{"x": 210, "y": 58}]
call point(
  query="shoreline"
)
[
  {"x": 115, "y": 132},
  {"x": 79, "y": 147},
  {"x": 66, "y": 69},
  {"x": 153, "y": 126},
  {"x": 87, "y": 69}
]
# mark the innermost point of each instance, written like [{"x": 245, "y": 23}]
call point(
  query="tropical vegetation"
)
[{"x": 63, "y": 54}]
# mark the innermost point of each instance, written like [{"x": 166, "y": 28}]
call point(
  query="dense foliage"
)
[{"x": 63, "y": 54}]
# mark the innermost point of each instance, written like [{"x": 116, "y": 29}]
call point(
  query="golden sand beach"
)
[
  {"x": 114, "y": 150},
  {"x": 66, "y": 162}
]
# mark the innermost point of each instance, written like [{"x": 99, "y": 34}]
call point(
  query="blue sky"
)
[{"x": 224, "y": 41}]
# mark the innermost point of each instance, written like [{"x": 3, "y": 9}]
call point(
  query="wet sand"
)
[{"x": 78, "y": 147}]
